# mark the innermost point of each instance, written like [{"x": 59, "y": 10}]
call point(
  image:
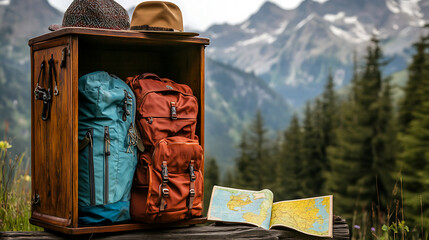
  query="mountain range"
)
[
  {"x": 274, "y": 61},
  {"x": 293, "y": 50}
]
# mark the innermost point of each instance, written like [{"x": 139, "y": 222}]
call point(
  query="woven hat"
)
[
  {"x": 106, "y": 14},
  {"x": 159, "y": 17}
]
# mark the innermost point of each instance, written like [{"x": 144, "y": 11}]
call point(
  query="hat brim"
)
[
  {"x": 55, "y": 27},
  {"x": 188, "y": 34}
]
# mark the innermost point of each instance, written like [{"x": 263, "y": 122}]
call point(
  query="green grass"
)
[
  {"x": 15, "y": 192},
  {"x": 374, "y": 223}
]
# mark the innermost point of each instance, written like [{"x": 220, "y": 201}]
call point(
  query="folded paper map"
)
[{"x": 312, "y": 216}]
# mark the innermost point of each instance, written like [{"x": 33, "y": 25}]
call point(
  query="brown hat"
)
[
  {"x": 106, "y": 14},
  {"x": 159, "y": 17}
]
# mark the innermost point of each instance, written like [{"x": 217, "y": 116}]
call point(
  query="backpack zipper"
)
[
  {"x": 106, "y": 163},
  {"x": 90, "y": 134}
]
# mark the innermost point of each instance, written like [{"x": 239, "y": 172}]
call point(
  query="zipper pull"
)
[
  {"x": 106, "y": 141},
  {"x": 132, "y": 138}
]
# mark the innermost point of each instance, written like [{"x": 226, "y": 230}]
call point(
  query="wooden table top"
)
[
  {"x": 213, "y": 231},
  {"x": 118, "y": 34}
]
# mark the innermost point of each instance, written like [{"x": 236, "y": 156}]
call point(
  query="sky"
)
[{"x": 200, "y": 14}]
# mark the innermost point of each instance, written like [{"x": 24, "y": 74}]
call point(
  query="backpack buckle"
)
[
  {"x": 173, "y": 111},
  {"x": 39, "y": 92},
  {"x": 164, "y": 173},
  {"x": 165, "y": 192},
  {"x": 192, "y": 193},
  {"x": 191, "y": 172}
]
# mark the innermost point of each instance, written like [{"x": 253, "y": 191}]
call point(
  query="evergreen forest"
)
[{"x": 361, "y": 145}]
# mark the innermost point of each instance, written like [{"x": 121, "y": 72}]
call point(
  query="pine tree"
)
[
  {"x": 275, "y": 182},
  {"x": 229, "y": 180},
  {"x": 384, "y": 145},
  {"x": 254, "y": 161},
  {"x": 344, "y": 158},
  {"x": 414, "y": 137},
  {"x": 311, "y": 171},
  {"x": 415, "y": 167},
  {"x": 260, "y": 151},
  {"x": 245, "y": 170},
  {"x": 361, "y": 158},
  {"x": 329, "y": 119},
  {"x": 211, "y": 178},
  {"x": 412, "y": 98},
  {"x": 325, "y": 117},
  {"x": 290, "y": 163}
]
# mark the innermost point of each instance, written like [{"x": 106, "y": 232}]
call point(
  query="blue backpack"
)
[{"x": 107, "y": 148}]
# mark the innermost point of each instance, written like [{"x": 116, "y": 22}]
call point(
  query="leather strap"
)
[
  {"x": 91, "y": 168},
  {"x": 53, "y": 75},
  {"x": 164, "y": 192},
  {"x": 191, "y": 188},
  {"x": 106, "y": 163},
  {"x": 42, "y": 69},
  {"x": 83, "y": 143},
  {"x": 45, "y": 94}
]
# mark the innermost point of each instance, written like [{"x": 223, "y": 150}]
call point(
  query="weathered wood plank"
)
[{"x": 213, "y": 231}]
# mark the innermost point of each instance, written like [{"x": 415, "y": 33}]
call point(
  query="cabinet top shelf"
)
[{"x": 123, "y": 34}]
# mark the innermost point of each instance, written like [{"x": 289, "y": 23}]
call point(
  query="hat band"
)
[{"x": 147, "y": 27}]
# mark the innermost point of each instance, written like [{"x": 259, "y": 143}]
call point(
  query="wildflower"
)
[
  {"x": 356, "y": 226},
  {"x": 373, "y": 229},
  {"x": 27, "y": 178},
  {"x": 4, "y": 145}
]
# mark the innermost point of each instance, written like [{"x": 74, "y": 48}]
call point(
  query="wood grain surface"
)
[
  {"x": 213, "y": 231},
  {"x": 52, "y": 140},
  {"x": 118, "y": 34}
]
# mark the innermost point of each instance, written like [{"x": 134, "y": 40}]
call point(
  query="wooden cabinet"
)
[{"x": 54, "y": 142}]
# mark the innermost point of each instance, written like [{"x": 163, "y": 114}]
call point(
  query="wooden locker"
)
[{"x": 54, "y": 143}]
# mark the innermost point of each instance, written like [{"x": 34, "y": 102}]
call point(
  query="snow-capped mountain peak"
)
[{"x": 292, "y": 50}]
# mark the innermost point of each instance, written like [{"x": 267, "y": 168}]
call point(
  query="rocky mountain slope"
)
[
  {"x": 232, "y": 99},
  {"x": 292, "y": 50},
  {"x": 23, "y": 19}
]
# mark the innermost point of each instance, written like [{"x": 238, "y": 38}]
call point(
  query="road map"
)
[{"x": 311, "y": 216}]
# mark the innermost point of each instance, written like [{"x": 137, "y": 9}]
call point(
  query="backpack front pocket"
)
[{"x": 176, "y": 184}]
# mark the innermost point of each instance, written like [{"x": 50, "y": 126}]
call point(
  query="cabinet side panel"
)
[
  {"x": 52, "y": 141},
  {"x": 202, "y": 95},
  {"x": 32, "y": 123},
  {"x": 75, "y": 97}
]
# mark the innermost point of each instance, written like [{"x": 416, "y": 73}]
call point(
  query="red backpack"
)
[{"x": 168, "y": 182}]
